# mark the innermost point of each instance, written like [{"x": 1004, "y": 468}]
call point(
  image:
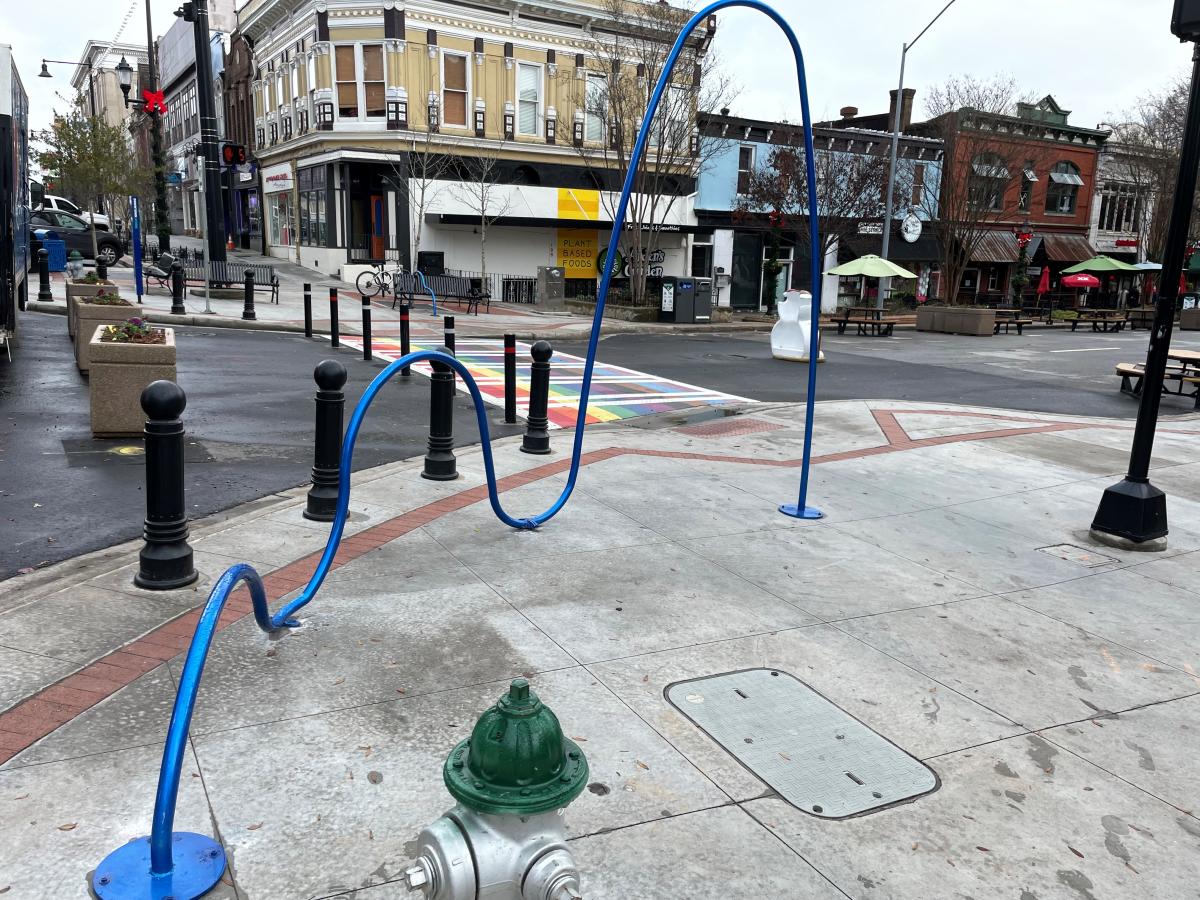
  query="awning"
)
[
  {"x": 1069, "y": 248},
  {"x": 926, "y": 248},
  {"x": 1066, "y": 178},
  {"x": 996, "y": 247}
]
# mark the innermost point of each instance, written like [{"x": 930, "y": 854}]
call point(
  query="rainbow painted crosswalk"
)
[{"x": 617, "y": 392}]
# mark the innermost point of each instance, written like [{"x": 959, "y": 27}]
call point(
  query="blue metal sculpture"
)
[
  {"x": 432, "y": 295},
  {"x": 184, "y": 865}
]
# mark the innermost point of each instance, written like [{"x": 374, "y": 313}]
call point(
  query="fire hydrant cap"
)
[{"x": 517, "y": 760}]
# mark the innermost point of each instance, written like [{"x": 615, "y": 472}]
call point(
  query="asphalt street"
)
[
  {"x": 249, "y": 422},
  {"x": 1054, "y": 371}
]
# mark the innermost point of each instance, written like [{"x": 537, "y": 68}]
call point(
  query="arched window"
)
[
  {"x": 989, "y": 179},
  {"x": 1063, "y": 189},
  {"x": 523, "y": 174}
]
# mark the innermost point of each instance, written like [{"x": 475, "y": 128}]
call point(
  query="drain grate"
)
[{"x": 814, "y": 754}]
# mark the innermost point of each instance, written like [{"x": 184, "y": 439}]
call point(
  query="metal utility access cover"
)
[{"x": 815, "y": 755}]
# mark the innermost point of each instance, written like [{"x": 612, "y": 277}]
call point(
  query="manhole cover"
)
[
  {"x": 1084, "y": 557},
  {"x": 815, "y": 755}
]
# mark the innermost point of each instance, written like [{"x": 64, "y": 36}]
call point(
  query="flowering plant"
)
[{"x": 133, "y": 331}]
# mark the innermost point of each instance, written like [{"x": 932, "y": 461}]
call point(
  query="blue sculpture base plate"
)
[
  {"x": 125, "y": 873},
  {"x": 793, "y": 510}
]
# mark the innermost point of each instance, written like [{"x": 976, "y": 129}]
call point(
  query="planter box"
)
[
  {"x": 89, "y": 317},
  {"x": 927, "y": 315},
  {"x": 76, "y": 290},
  {"x": 970, "y": 321},
  {"x": 1189, "y": 320},
  {"x": 119, "y": 374}
]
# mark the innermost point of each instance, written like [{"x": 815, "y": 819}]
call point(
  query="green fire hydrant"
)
[{"x": 505, "y": 839}]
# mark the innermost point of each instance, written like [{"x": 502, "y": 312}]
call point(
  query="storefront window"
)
[
  {"x": 311, "y": 211},
  {"x": 279, "y": 217}
]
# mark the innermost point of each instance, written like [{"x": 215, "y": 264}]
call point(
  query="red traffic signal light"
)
[{"x": 233, "y": 154}]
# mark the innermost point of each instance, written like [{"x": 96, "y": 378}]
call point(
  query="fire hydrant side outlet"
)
[{"x": 517, "y": 760}]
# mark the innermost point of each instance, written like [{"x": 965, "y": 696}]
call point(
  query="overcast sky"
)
[{"x": 1095, "y": 56}]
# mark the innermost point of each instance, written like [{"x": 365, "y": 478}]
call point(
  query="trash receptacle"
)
[
  {"x": 55, "y": 246},
  {"x": 678, "y": 300}
]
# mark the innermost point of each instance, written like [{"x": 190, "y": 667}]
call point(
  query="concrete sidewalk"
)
[{"x": 951, "y": 600}]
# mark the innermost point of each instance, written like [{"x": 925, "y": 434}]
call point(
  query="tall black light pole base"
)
[{"x": 1134, "y": 510}]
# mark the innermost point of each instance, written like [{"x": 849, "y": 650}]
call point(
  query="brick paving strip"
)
[{"x": 37, "y": 716}]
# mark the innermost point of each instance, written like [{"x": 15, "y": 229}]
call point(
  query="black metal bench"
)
[
  {"x": 230, "y": 273},
  {"x": 447, "y": 288}
]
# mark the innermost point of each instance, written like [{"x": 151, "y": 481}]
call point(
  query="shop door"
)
[
  {"x": 746, "y": 278},
  {"x": 377, "y": 227}
]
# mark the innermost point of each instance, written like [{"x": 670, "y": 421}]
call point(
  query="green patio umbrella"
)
[
  {"x": 1101, "y": 264},
  {"x": 871, "y": 266}
]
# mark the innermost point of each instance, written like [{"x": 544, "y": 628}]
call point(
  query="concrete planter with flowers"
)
[
  {"x": 91, "y": 313},
  {"x": 83, "y": 289},
  {"x": 125, "y": 358}
]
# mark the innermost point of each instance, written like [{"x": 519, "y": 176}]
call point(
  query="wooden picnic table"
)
[
  {"x": 1183, "y": 380},
  {"x": 1100, "y": 319},
  {"x": 1189, "y": 359},
  {"x": 869, "y": 319}
]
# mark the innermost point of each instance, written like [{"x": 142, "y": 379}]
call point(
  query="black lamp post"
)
[
  {"x": 150, "y": 105},
  {"x": 1024, "y": 234},
  {"x": 196, "y": 12},
  {"x": 1134, "y": 509}
]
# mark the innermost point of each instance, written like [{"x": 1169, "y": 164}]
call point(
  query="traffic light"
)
[{"x": 233, "y": 154}]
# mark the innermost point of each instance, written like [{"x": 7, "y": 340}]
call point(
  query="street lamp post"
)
[
  {"x": 196, "y": 12},
  {"x": 45, "y": 73},
  {"x": 1134, "y": 509},
  {"x": 1024, "y": 234},
  {"x": 885, "y": 283}
]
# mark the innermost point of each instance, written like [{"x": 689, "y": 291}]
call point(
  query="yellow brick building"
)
[{"x": 353, "y": 98}]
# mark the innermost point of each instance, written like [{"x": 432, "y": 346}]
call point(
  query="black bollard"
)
[
  {"x": 510, "y": 379},
  {"x": 366, "y": 326},
  {"x": 248, "y": 295},
  {"x": 177, "y": 307},
  {"x": 307, "y": 310},
  {"x": 440, "y": 464},
  {"x": 165, "y": 561},
  {"x": 330, "y": 376},
  {"x": 405, "y": 345},
  {"x": 333, "y": 322},
  {"x": 537, "y": 438},
  {"x": 448, "y": 336},
  {"x": 101, "y": 270},
  {"x": 44, "y": 275}
]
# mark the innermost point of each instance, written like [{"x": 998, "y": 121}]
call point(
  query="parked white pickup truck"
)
[{"x": 62, "y": 204}]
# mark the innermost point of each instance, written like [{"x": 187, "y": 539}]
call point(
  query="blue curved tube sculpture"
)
[
  {"x": 130, "y": 871},
  {"x": 432, "y": 295}
]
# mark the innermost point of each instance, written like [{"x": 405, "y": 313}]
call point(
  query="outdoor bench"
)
[
  {"x": 231, "y": 273},
  {"x": 1132, "y": 375},
  {"x": 453, "y": 288}
]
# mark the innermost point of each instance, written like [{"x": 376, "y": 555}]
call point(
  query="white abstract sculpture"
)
[{"x": 790, "y": 335}]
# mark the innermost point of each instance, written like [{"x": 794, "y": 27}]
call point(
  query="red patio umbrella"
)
[
  {"x": 1044, "y": 283},
  {"x": 1081, "y": 280}
]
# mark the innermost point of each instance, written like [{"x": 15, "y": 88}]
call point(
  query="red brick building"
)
[{"x": 1005, "y": 170}]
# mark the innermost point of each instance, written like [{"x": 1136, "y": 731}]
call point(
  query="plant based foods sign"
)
[{"x": 577, "y": 252}]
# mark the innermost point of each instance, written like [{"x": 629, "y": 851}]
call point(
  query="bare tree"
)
[
  {"x": 420, "y": 181},
  {"x": 1146, "y": 148},
  {"x": 629, "y": 56},
  {"x": 850, "y": 188},
  {"x": 478, "y": 186},
  {"x": 982, "y": 166}
]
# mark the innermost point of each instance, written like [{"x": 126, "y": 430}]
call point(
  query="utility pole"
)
[
  {"x": 162, "y": 225},
  {"x": 886, "y": 246},
  {"x": 1134, "y": 509},
  {"x": 196, "y": 12}
]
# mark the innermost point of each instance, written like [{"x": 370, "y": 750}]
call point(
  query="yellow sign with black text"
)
[{"x": 577, "y": 249}]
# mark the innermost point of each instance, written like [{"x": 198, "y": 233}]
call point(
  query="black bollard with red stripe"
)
[{"x": 510, "y": 379}]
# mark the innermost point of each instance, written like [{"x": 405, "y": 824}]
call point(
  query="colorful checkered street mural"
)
[{"x": 617, "y": 392}]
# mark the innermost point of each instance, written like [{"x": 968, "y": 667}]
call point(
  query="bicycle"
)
[{"x": 377, "y": 280}]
